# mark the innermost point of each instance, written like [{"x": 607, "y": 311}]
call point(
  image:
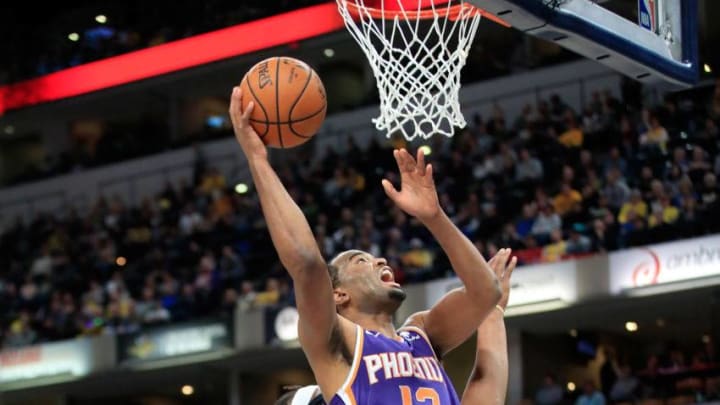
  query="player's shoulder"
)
[
  {"x": 413, "y": 330},
  {"x": 415, "y": 322},
  {"x": 412, "y": 333}
]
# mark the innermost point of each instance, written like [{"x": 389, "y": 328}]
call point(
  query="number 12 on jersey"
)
[{"x": 424, "y": 395}]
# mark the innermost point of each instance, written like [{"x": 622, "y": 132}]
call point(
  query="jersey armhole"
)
[
  {"x": 425, "y": 337},
  {"x": 345, "y": 391}
]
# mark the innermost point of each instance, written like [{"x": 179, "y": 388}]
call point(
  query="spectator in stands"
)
[
  {"x": 557, "y": 247},
  {"x": 616, "y": 190},
  {"x": 150, "y": 309},
  {"x": 709, "y": 192},
  {"x": 247, "y": 295},
  {"x": 511, "y": 238},
  {"x": 546, "y": 222},
  {"x": 625, "y": 388},
  {"x": 417, "y": 261},
  {"x": 684, "y": 190},
  {"x": 679, "y": 160},
  {"x": 42, "y": 265},
  {"x": 602, "y": 239},
  {"x": 591, "y": 395},
  {"x": 271, "y": 295},
  {"x": 551, "y": 393},
  {"x": 614, "y": 160},
  {"x": 524, "y": 225},
  {"x": 565, "y": 199},
  {"x": 666, "y": 214},
  {"x": 573, "y": 135},
  {"x": 634, "y": 204},
  {"x": 655, "y": 138},
  {"x": 528, "y": 168},
  {"x": 699, "y": 165},
  {"x": 578, "y": 243},
  {"x": 20, "y": 332}
]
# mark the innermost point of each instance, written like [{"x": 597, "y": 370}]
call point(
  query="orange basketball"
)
[{"x": 290, "y": 101}]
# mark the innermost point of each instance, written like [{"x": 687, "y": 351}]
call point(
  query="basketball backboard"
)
[{"x": 661, "y": 46}]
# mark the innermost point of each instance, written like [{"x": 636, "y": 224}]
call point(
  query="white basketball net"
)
[{"x": 417, "y": 73}]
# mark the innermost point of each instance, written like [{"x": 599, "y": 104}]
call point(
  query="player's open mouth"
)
[{"x": 387, "y": 277}]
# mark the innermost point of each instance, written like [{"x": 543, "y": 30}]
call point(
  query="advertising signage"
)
[
  {"x": 70, "y": 358},
  {"x": 174, "y": 341},
  {"x": 665, "y": 264}
]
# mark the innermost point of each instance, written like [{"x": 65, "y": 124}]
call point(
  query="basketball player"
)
[
  {"x": 488, "y": 380},
  {"x": 346, "y": 306}
]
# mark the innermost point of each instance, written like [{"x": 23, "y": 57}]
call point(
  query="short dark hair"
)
[{"x": 334, "y": 272}]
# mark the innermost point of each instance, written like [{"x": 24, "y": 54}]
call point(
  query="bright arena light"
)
[
  {"x": 426, "y": 150},
  {"x": 241, "y": 188},
  {"x": 101, "y": 19},
  {"x": 187, "y": 390},
  {"x": 329, "y": 52},
  {"x": 631, "y": 326},
  {"x": 571, "y": 386},
  {"x": 707, "y": 68},
  {"x": 74, "y": 36}
]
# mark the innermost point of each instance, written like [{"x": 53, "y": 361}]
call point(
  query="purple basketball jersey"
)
[{"x": 397, "y": 372}]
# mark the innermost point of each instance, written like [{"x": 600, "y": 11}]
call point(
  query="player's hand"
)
[
  {"x": 417, "y": 195},
  {"x": 503, "y": 265},
  {"x": 249, "y": 141}
]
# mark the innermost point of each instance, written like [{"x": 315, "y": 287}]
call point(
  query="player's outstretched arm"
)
[
  {"x": 291, "y": 235},
  {"x": 489, "y": 378},
  {"x": 452, "y": 320}
]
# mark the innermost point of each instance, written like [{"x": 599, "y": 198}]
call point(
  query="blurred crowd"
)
[
  {"x": 667, "y": 376},
  {"x": 555, "y": 182}
]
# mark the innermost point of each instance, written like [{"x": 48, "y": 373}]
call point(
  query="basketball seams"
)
[
  {"x": 290, "y": 125},
  {"x": 257, "y": 103},
  {"x": 300, "y": 96},
  {"x": 292, "y": 121},
  {"x": 297, "y": 100},
  {"x": 277, "y": 100}
]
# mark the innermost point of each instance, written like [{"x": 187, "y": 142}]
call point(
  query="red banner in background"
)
[{"x": 174, "y": 56}]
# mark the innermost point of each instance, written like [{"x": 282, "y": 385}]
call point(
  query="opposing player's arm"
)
[
  {"x": 452, "y": 320},
  {"x": 292, "y": 238},
  {"x": 489, "y": 377}
]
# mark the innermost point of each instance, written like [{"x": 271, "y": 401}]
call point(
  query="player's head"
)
[
  {"x": 308, "y": 395},
  {"x": 364, "y": 282}
]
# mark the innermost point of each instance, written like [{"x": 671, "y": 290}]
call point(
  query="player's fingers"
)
[
  {"x": 429, "y": 174},
  {"x": 408, "y": 160},
  {"x": 498, "y": 261},
  {"x": 398, "y": 159},
  {"x": 421, "y": 161},
  {"x": 509, "y": 269},
  {"x": 248, "y": 111},
  {"x": 505, "y": 256},
  {"x": 234, "y": 103},
  {"x": 390, "y": 189}
]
